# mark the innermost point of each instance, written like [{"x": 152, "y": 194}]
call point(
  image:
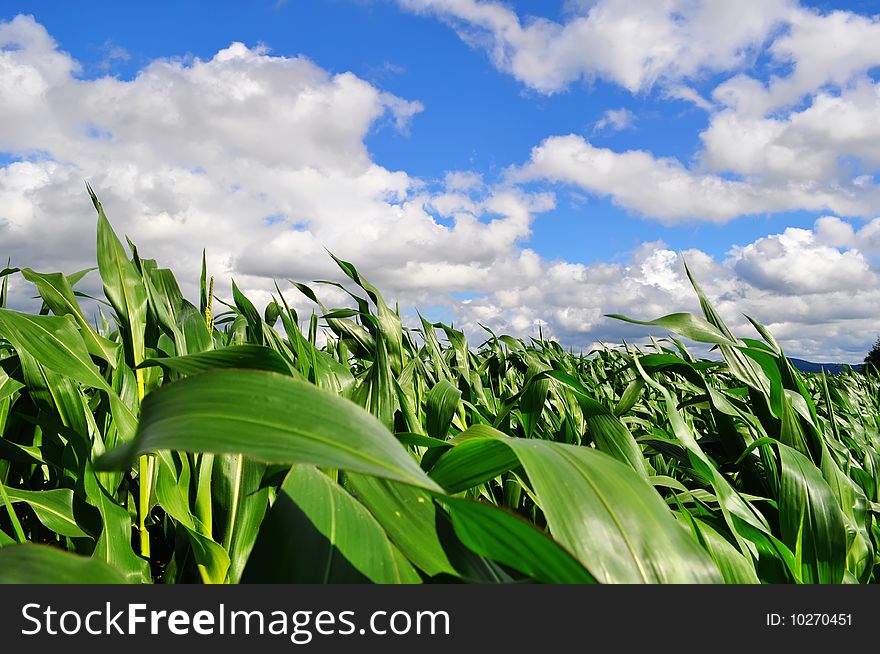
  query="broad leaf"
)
[
  {"x": 317, "y": 533},
  {"x": 54, "y": 508},
  {"x": 27, "y": 563},
  {"x": 270, "y": 418}
]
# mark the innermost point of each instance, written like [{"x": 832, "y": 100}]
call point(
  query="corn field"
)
[{"x": 173, "y": 443}]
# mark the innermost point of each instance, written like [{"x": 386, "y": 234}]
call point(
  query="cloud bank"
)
[{"x": 261, "y": 160}]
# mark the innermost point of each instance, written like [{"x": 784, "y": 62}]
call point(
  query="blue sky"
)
[
  {"x": 515, "y": 95},
  {"x": 494, "y": 120}
]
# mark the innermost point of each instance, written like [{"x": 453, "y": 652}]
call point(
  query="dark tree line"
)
[{"x": 873, "y": 358}]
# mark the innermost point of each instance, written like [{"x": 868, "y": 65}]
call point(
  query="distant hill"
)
[{"x": 829, "y": 368}]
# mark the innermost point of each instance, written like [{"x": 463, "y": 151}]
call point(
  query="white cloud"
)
[
  {"x": 463, "y": 180},
  {"x": 663, "y": 188},
  {"x": 634, "y": 44},
  {"x": 637, "y": 44},
  {"x": 686, "y": 93},
  {"x": 831, "y": 230},
  {"x": 819, "y": 301},
  {"x": 819, "y": 49},
  {"x": 260, "y": 159},
  {"x": 804, "y": 138},
  {"x": 818, "y": 143},
  {"x": 794, "y": 263},
  {"x": 614, "y": 120}
]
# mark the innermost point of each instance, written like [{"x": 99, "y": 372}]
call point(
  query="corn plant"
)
[{"x": 174, "y": 443}]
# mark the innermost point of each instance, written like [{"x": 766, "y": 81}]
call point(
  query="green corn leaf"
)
[
  {"x": 612, "y": 437},
  {"x": 608, "y": 516},
  {"x": 473, "y": 461},
  {"x": 735, "y": 568},
  {"x": 409, "y": 517},
  {"x": 54, "y": 392},
  {"x": 164, "y": 297},
  {"x": 40, "y": 564},
  {"x": 270, "y": 418},
  {"x": 629, "y": 398},
  {"x": 388, "y": 321},
  {"x": 534, "y": 397},
  {"x": 318, "y": 533},
  {"x": 172, "y": 493},
  {"x": 240, "y": 505},
  {"x": 58, "y": 346},
  {"x": 441, "y": 404},
  {"x": 114, "y": 544},
  {"x": 376, "y": 392},
  {"x": 608, "y": 432},
  {"x": 55, "y": 342},
  {"x": 252, "y": 357},
  {"x": 193, "y": 331},
  {"x": 249, "y": 311},
  {"x": 687, "y": 325},
  {"x": 123, "y": 284},
  {"x": 501, "y": 536},
  {"x": 4, "y": 285},
  {"x": 8, "y": 385},
  {"x": 57, "y": 293},
  {"x": 811, "y": 520},
  {"x": 54, "y": 508}
]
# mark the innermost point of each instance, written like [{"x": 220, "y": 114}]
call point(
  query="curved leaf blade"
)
[
  {"x": 57, "y": 293},
  {"x": 54, "y": 508},
  {"x": 270, "y": 418},
  {"x": 317, "y": 533},
  {"x": 685, "y": 324},
  {"x": 605, "y": 513},
  {"x": 441, "y": 403},
  {"x": 27, "y": 563},
  {"x": 811, "y": 520},
  {"x": 610, "y": 517},
  {"x": 409, "y": 517},
  {"x": 503, "y": 537},
  {"x": 251, "y": 357}
]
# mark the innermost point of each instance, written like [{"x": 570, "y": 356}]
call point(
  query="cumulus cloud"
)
[
  {"x": 634, "y": 44},
  {"x": 817, "y": 299},
  {"x": 819, "y": 49},
  {"x": 819, "y": 142},
  {"x": 463, "y": 180},
  {"x": 794, "y": 263},
  {"x": 663, "y": 188},
  {"x": 261, "y": 159},
  {"x": 113, "y": 55},
  {"x": 794, "y": 118},
  {"x": 256, "y": 157},
  {"x": 831, "y": 230}
]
